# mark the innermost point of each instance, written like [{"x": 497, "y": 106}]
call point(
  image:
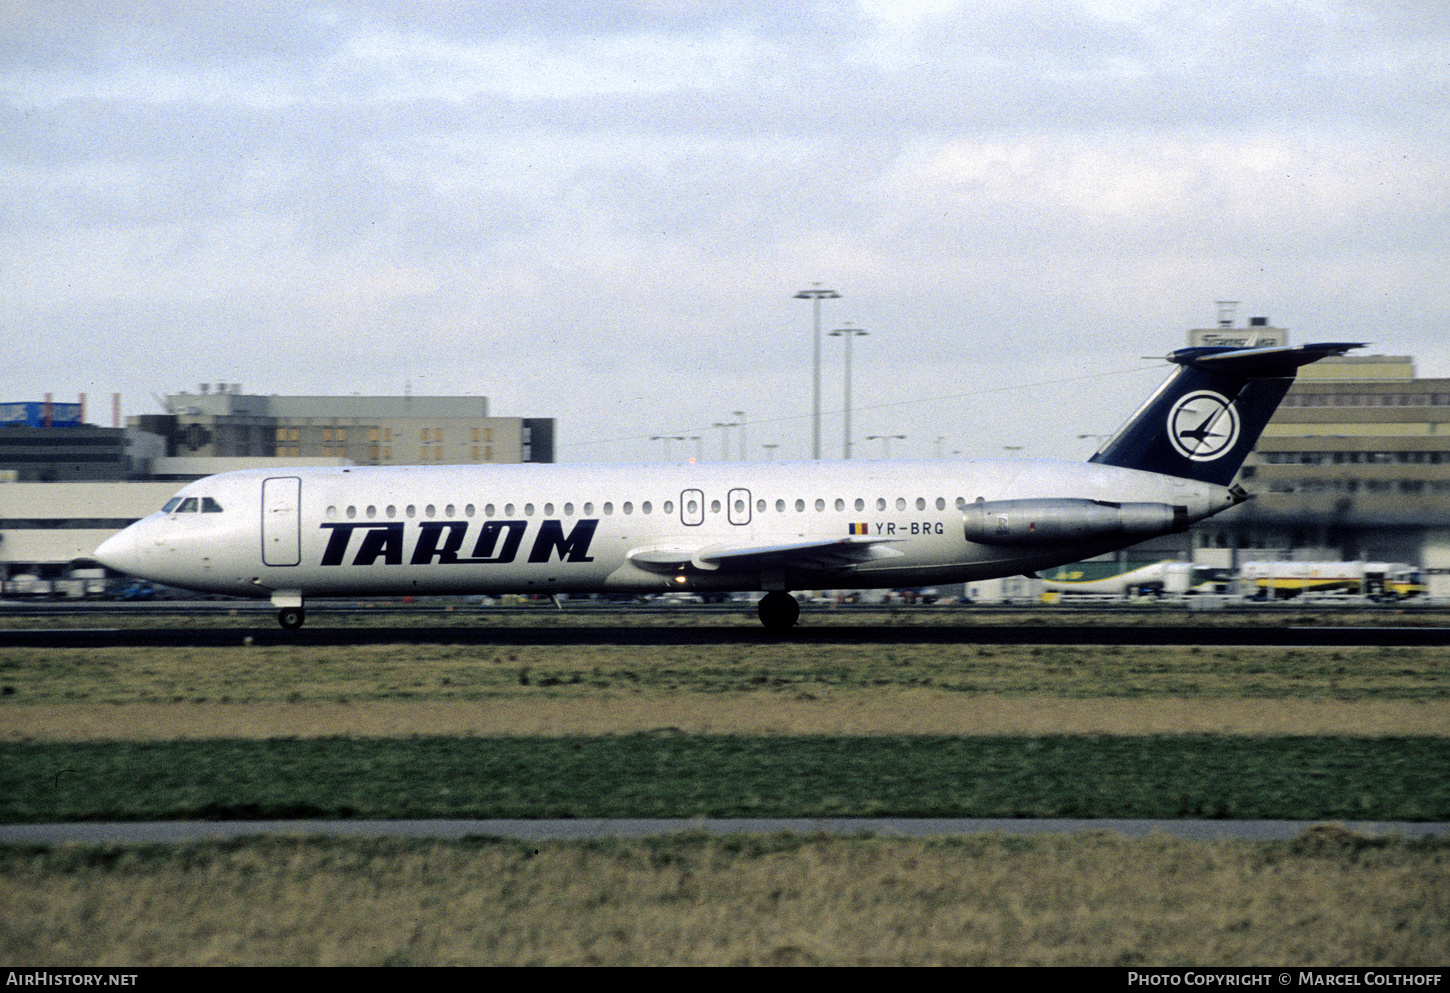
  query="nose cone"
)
[{"x": 122, "y": 552}]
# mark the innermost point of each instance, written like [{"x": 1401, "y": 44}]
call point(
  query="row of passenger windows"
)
[{"x": 691, "y": 508}]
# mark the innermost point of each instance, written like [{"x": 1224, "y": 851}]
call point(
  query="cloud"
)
[{"x": 602, "y": 211}]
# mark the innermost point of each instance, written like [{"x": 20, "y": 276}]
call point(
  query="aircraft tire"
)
[
  {"x": 291, "y": 618},
  {"x": 778, "y": 611}
]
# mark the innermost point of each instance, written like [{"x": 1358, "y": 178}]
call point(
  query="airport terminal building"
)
[{"x": 66, "y": 485}]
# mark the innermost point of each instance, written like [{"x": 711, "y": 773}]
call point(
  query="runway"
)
[
  {"x": 171, "y": 832},
  {"x": 812, "y": 632}
]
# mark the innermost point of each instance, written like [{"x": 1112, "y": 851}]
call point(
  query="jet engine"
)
[{"x": 1066, "y": 521}]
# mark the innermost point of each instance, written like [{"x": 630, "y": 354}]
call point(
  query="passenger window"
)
[
  {"x": 669, "y": 507},
  {"x": 941, "y": 503},
  {"x": 210, "y": 506},
  {"x": 840, "y": 504},
  {"x": 780, "y": 506},
  {"x": 760, "y": 506},
  {"x": 608, "y": 507},
  {"x": 568, "y": 510},
  {"x": 901, "y": 503},
  {"x": 489, "y": 510},
  {"x": 549, "y": 510},
  {"x": 820, "y": 504},
  {"x": 449, "y": 510},
  {"x": 646, "y": 507},
  {"x": 920, "y": 503},
  {"x": 714, "y": 506},
  {"x": 880, "y": 503},
  {"x": 351, "y": 512},
  {"x": 860, "y": 504},
  {"x": 628, "y": 507},
  {"x": 800, "y": 506}
]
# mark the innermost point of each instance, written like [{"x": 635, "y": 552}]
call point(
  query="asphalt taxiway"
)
[
  {"x": 171, "y": 832},
  {"x": 813, "y": 632}
]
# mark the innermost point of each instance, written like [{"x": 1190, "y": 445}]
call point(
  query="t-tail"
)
[{"x": 1203, "y": 422}]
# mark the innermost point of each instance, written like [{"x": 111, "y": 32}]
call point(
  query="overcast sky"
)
[{"x": 601, "y": 212}]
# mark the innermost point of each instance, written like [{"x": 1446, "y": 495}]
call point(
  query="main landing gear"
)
[{"x": 778, "y": 611}]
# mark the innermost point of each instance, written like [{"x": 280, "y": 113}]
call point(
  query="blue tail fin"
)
[{"x": 1206, "y": 418}]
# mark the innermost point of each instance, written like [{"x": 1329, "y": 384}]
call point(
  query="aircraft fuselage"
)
[{"x": 625, "y": 528}]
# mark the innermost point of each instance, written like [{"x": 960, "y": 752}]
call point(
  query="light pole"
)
[
  {"x": 739, "y": 415},
  {"x": 885, "y": 440},
  {"x": 769, "y": 451},
  {"x": 816, "y": 296},
  {"x": 724, "y": 438},
  {"x": 667, "y": 438},
  {"x": 848, "y": 333}
]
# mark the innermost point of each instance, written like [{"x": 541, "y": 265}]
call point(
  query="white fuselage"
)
[{"x": 628, "y": 528}]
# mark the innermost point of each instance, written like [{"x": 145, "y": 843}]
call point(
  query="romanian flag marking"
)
[{"x": 859, "y": 529}]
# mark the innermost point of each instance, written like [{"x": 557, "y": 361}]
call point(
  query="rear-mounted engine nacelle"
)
[{"x": 1060, "y": 522}]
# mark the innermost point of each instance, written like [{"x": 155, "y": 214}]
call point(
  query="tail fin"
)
[{"x": 1205, "y": 419}]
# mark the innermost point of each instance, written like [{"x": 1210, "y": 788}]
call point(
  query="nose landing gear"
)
[{"x": 289, "y": 608}]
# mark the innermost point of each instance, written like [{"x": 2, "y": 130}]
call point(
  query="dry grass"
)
[
  {"x": 913, "y": 712},
  {"x": 1329, "y": 899},
  {"x": 297, "y": 674},
  {"x": 95, "y": 694}
]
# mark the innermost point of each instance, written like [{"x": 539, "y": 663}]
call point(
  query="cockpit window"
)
[
  {"x": 210, "y": 506},
  {"x": 188, "y": 506},
  {"x": 171, "y": 505}
]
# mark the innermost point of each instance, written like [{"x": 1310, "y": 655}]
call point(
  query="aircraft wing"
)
[{"x": 825, "y": 555}]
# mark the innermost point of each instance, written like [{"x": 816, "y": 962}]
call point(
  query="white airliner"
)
[{"x": 290, "y": 534}]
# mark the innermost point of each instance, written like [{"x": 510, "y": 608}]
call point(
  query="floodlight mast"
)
[
  {"x": 816, "y": 296},
  {"x": 848, "y": 333}
]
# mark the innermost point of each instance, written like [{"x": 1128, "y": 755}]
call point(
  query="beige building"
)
[{"x": 222, "y": 421}]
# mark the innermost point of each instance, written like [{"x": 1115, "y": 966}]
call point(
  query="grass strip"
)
[
  {"x": 672, "y": 775},
  {"x": 1327, "y": 898}
]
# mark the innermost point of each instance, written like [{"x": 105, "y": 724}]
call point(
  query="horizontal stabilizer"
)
[
  {"x": 1269, "y": 362},
  {"x": 1207, "y": 417}
]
